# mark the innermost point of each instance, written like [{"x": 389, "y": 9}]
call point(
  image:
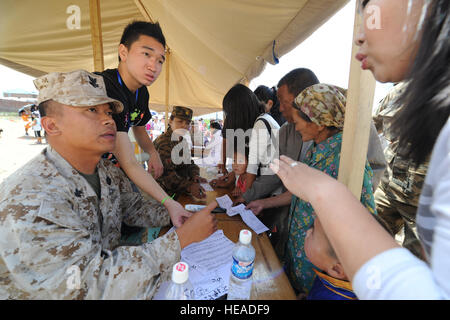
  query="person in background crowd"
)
[
  {"x": 180, "y": 175},
  {"x": 36, "y": 126},
  {"x": 244, "y": 111},
  {"x": 269, "y": 97}
]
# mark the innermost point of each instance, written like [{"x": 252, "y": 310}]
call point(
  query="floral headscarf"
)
[{"x": 324, "y": 104}]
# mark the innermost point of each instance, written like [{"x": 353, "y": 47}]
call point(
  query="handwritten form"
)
[
  {"x": 209, "y": 266},
  {"x": 206, "y": 186},
  {"x": 210, "y": 263},
  {"x": 210, "y": 260},
  {"x": 225, "y": 202}
]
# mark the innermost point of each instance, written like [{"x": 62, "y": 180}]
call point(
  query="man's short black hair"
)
[
  {"x": 135, "y": 29},
  {"x": 297, "y": 80}
]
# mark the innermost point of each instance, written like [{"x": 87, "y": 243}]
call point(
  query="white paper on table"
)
[
  {"x": 224, "y": 202},
  {"x": 235, "y": 210},
  {"x": 252, "y": 221},
  {"x": 209, "y": 254},
  {"x": 209, "y": 267},
  {"x": 207, "y": 286},
  {"x": 206, "y": 186},
  {"x": 211, "y": 285}
]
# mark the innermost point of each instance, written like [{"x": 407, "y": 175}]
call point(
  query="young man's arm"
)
[
  {"x": 125, "y": 154},
  {"x": 154, "y": 163}
]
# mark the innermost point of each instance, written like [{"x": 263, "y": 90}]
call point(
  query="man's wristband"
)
[{"x": 167, "y": 197}]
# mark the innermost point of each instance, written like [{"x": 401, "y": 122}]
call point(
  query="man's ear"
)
[
  {"x": 337, "y": 271},
  {"x": 321, "y": 128},
  {"x": 269, "y": 104},
  {"x": 123, "y": 52},
  {"x": 50, "y": 126}
]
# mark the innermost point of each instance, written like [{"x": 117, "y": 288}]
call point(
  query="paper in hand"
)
[
  {"x": 253, "y": 222},
  {"x": 247, "y": 215},
  {"x": 206, "y": 186},
  {"x": 225, "y": 202}
]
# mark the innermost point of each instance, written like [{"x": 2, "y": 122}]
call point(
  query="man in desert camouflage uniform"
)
[
  {"x": 180, "y": 174},
  {"x": 60, "y": 214},
  {"x": 398, "y": 195}
]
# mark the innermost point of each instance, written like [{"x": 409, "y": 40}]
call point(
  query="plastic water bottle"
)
[
  {"x": 180, "y": 288},
  {"x": 240, "y": 284}
]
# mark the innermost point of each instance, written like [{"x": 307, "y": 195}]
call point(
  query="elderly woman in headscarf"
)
[{"x": 319, "y": 116}]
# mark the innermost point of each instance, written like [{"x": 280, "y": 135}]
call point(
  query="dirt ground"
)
[{"x": 16, "y": 148}]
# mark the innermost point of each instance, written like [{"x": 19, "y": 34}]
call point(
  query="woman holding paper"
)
[{"x": 319, "y": 116}]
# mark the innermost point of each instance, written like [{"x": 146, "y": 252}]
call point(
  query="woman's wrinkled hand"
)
[{"x": 301, "y": 180}]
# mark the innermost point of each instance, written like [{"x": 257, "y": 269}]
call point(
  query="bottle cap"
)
[
  {"x": 245, "y": 236},
  {"x": 180, "y": 272}
]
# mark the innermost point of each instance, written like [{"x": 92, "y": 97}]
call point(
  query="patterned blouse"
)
[{"x": 324, "y": 156}]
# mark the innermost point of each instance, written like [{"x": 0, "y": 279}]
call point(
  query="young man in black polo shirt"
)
[{"x": 141, "y": 56}]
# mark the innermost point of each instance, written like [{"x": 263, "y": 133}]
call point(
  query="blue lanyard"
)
[{"x": 121, "y": 83}]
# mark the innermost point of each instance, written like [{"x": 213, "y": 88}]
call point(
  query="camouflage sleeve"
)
[
  {"x": 137, "y": 210},
  {"x": 147, "y": 213},
  {"x": 170, "y": 180},
  {"x": 48, "y": 257}
]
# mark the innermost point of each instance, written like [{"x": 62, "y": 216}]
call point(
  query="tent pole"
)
[
  {"x": 166, "y": 121},
  {"x": 358, "y": 115},
  {"x": 96, "y": 34}
]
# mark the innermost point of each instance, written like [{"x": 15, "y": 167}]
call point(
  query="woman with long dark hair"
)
[
  {"x": 412, "y": 45},
  {"x": 244, "y": 111}
]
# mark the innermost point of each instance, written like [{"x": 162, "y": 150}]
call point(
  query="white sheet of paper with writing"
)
[
  {"x": 252, "y": 221},
  {"x": 210, "y": 265},
  {"x": 248, "y": 217},
  {"x": 235, "y": 210},
  {"x": 206, "y": 186},
  {"x": 225, "y": 202}
]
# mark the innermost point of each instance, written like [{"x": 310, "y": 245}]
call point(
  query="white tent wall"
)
[{"x": 214, "y": 44}]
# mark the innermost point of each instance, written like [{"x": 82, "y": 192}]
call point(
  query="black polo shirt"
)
[{"x": 135, "y": 111}]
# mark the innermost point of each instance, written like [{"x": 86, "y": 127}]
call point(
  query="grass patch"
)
[{"x": 9, "y": 115}]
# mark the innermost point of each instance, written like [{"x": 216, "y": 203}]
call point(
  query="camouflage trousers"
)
[{"x": 399, "y": 215}]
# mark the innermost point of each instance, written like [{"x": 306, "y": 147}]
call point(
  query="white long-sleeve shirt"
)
[
  {"x": 262, "y": 150},
  {"x": 396, "y": 273}
]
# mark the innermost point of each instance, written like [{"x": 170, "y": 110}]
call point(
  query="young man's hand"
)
[
  {"x": 155, "y": 166},
  {"x": 178, "y": 215}
]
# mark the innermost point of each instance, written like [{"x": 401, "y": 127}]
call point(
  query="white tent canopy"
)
[{"x": 213, "y": 44}]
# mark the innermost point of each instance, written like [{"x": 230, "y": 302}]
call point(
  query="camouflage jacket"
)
[
  {"x": 402, "y": 181},
  {"x": 59, "y": 241},
  {"x": 177, "y": 178}
]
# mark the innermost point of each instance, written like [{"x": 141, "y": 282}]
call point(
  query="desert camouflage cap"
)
[
  {"x": 182, "y": 112},
  {"x": 77, "y": 88}
]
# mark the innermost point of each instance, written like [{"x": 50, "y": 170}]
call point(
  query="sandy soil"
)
[{"x": 16, "y": 148}]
